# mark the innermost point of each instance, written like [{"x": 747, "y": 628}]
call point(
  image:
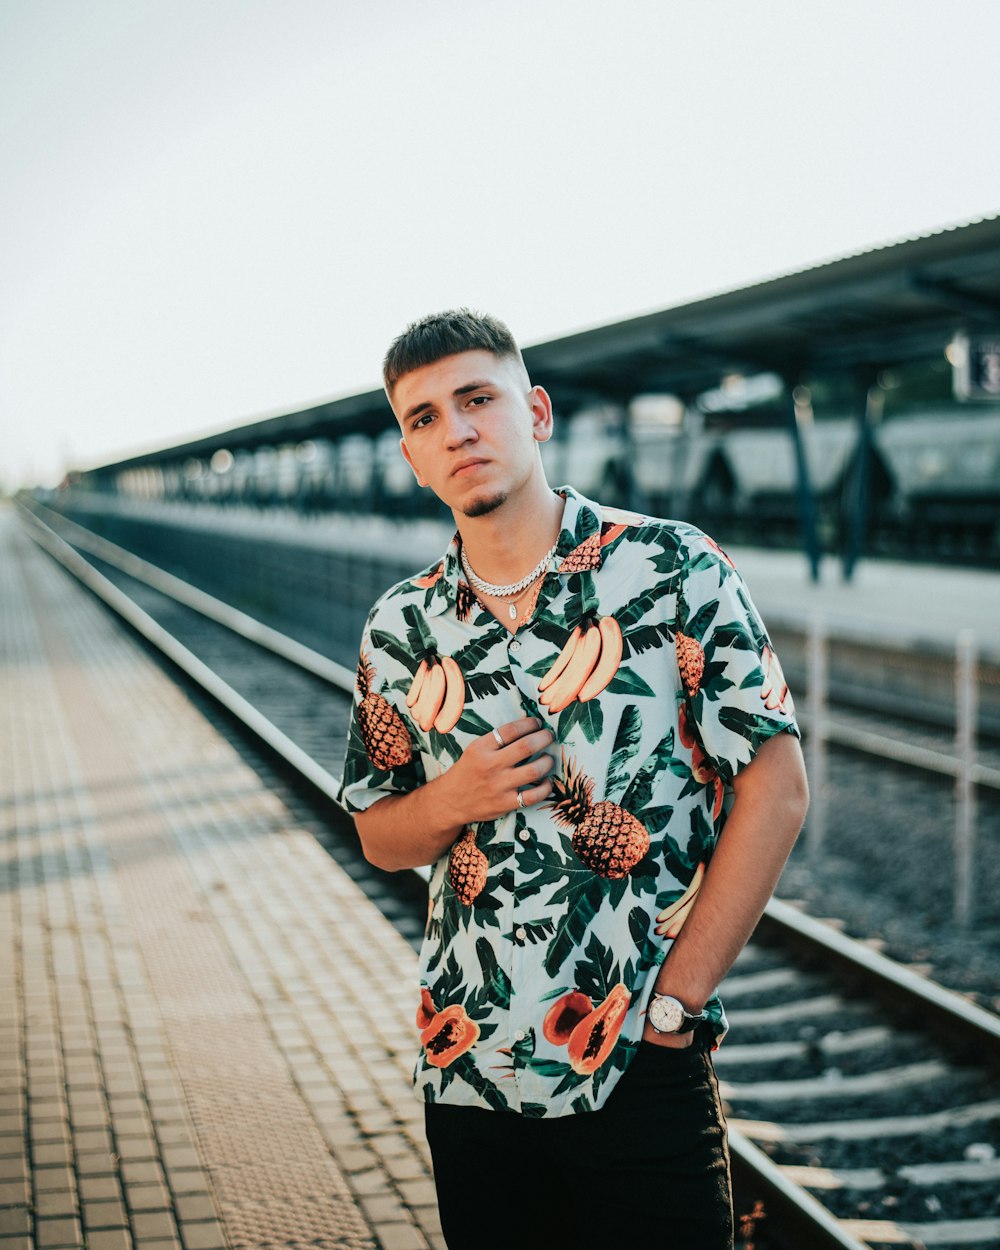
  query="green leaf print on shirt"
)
[{"x": 626, "y": 745}]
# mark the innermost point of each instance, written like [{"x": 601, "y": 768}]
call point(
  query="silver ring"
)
[
  {"x": 500, "y": 741},
  {"x": 520, "y": 800}
]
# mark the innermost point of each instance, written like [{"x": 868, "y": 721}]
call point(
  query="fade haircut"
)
[{"x": 445, "y": 334}]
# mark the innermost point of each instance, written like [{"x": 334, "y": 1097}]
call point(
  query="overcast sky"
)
[{"x": 218, "y": 209}]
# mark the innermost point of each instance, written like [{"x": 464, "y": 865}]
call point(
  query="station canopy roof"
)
[{"x": 878, "y": 308}]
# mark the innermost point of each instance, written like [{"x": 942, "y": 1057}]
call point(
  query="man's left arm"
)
[{"x": 771, "y": 798}]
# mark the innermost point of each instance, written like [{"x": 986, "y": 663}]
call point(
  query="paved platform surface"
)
[{"x": 202, "y": 1037}]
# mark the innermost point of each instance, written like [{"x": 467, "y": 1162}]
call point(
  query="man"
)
[{"x": 561, "y": 717}]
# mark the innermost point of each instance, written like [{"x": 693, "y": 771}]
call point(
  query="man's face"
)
[{"x": 470, "y": 426}]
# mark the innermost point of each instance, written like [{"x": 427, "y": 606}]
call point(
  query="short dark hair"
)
[{"x": 445, "y": 334}]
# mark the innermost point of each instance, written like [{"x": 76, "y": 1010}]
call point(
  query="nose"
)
[{"x": 459, "y": 429}]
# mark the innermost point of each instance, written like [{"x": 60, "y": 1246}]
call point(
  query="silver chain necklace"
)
[{"x": 514, "y": 588}]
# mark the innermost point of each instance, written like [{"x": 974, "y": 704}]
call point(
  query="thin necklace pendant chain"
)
[
  {"x": 514, "y": 588},
  {"x": 532, "y": 600}
]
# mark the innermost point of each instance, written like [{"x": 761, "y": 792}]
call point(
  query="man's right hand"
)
[
  {"x": 406, "y": 830},
  {"x": 484, "y": 784}
]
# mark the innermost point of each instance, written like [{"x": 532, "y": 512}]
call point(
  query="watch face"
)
[{"x": 666, "y": 1014}]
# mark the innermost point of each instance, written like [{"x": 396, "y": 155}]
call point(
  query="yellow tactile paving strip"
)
[{"x": 206, "y": 1039}]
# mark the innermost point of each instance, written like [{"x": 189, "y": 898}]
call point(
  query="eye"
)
[
  {"x": 478, "y": 401},
  {"x": 421, "y": 420}
]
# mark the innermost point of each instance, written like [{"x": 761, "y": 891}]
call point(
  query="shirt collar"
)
[{"x": 578, "y": 549}]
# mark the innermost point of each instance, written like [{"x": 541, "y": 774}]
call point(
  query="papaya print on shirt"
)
[{"x": 546, "y": 928}]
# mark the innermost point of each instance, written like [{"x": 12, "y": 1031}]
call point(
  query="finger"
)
[
  {"x": 529, "y": 745},
  {"x": 536, "y": 769},
  {"x": 515, "y": 729},
  {"x": 534, "y": 794}
]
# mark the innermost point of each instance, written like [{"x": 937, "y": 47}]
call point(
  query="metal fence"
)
[{"x": 904, "y": 767}]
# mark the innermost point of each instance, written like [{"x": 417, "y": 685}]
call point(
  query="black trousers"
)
[{"x": 651, "y": 1167}]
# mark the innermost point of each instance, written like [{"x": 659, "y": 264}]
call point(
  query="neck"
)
[{"x": 505, "y": 544}]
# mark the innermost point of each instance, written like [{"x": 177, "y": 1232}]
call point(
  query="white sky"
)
[{"x": 216, "y": 209}]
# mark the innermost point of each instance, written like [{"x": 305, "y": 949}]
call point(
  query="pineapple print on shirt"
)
[
  {"x": 382, "y": 730},
  {"x": 607, "y": 838},
  {"x": 647, "y": 659}
]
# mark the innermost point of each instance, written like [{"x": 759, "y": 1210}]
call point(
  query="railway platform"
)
[{"x": 202, "y": 1039}]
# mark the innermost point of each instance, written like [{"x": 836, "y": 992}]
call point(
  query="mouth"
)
[{"x": 467, "y": 466}]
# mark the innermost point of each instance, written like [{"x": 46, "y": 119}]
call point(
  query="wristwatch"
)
[{"x": 668, "y": 1015}]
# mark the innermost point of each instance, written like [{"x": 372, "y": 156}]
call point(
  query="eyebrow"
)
[{"x": 467, "y": 389}]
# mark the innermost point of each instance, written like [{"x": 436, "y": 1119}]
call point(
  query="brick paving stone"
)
[
  {"x": 16, "y": 1243},
  {"x": 147, "y": 1197},
  {"x": 180, "y": 1157},
  {"x": 401, "y": 1237},
  {"x": 41, "y": 1109},
  {"x": 97, "y": 1163},
  {"x": 90, "y": 1117},
  {"x": 50, "y": 1234},
  {"x": 153, "y": 1224},
  {"x": 52, "y": 1153},
  {"x": 418, "y": 1193},
  {"x": 48, "y": 1089},
  {"x": 104, "y": 1215},
  {"x": 56, "y": 1202},
  {"x": 146, "y": 1173},
  {"x": 356, "y": 1159},
  {"x": 173, "y": 1133},
  {"x": 203, "y": 1235},
  {"x": 99, "y": 1188},
  {"x": 406, "y": 1167},
  {"x": 14, "y": 1168},
  {"x": 188, "y": 1181},
  {"x": 14, "y": 1193},
  {"x": 49, "y": 1180},
  {"x": 108, "y": 1239},
  {"x": 126, "y": 1104},
  {"x": 192, "y": 1207},
  {"x": 139, "y": 1148},
  {"x": 383, "y": 1209},
  {"x": 14, "y": 1220},
  {"x": 386, "y": 1144},
  {"x": 429, "y": 1219},
  {"x": 372, "y": 1182},
  {"x": 92, "y": 1139}
]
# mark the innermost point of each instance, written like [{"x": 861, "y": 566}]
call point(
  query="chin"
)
[{"x": 483, "y": 505}]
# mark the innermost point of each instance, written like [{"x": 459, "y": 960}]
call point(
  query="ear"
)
[
  {"x": 409, "y": 460},
  {"x": 541, "y": 413}
]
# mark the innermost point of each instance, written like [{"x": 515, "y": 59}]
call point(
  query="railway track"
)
[{"x": 863, "y": 1099}]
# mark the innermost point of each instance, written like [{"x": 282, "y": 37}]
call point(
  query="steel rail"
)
[
  {"x": 179, "y": 655},
  {"x": 942, "y": 1009},
  {"x": 200, "y": 601},
  {"x": 802, "y": 1221}
]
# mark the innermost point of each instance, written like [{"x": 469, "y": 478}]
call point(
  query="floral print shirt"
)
[{"x": 546, "y": 928}]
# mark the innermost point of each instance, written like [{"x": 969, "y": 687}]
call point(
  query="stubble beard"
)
[{"x": 485, "y": 505}]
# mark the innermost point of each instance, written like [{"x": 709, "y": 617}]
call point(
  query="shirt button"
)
[
  {"x": 524, "y": 835},
  {"x": 515, "y": 645},
  {"x": 520, "y": 933},
  {"x": 519, "y": 1035}
]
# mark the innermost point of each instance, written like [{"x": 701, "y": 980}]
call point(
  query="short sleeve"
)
[
  {"x": 731, "y": 677},
  {"x": 381, "y": 758}
]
